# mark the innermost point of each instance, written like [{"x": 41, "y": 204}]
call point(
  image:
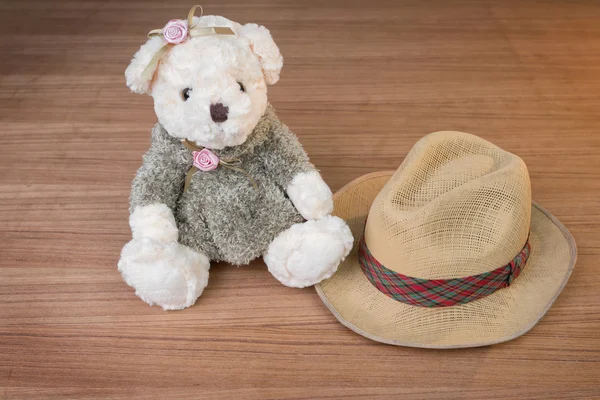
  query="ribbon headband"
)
[
  {"x": 439, "y": 292},
  {"x": 176, "y": 31}
]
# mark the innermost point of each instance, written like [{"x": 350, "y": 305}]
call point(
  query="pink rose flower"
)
[
  {"x": 205, "y": 160},
  {"x": 175, "y": 31}
]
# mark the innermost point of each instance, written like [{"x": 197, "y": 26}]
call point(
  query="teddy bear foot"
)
[
  {"x": 169, "y": 274},
  {"x": 309, "y": 252}
]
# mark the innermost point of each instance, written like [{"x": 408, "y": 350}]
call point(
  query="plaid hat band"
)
[{"x": 439, "y": 292}]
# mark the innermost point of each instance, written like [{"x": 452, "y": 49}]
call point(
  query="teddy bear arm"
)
[
  {"x": 155, "y": 191},
  {"x": 288, "y": 164}
]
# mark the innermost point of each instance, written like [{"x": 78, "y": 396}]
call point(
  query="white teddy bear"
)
[{"x": 224, "y": 179}]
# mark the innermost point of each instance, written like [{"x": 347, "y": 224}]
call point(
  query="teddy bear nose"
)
[{"x": 218, "y": 112}]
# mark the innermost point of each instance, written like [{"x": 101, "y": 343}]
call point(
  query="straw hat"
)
[{"x": 454, "y": 253}]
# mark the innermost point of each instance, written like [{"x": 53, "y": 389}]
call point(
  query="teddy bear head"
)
[{"x": 209, "y": 88}]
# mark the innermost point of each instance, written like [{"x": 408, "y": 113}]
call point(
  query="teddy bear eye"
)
[
  {"x": 242, "y": 88},
  {"x": 186, "y": 93}
]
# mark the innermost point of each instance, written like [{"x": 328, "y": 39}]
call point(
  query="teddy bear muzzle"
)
[{"x": 218, "y": 112}]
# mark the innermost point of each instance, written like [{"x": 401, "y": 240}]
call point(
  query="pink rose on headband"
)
[
  {"x": 175, "y": 31},
  {"x": 205, "y": 160}
]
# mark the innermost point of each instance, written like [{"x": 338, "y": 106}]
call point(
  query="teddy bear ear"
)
[
  {"x": 136, "y": 80},
  {"x": 263, "y": 45}
]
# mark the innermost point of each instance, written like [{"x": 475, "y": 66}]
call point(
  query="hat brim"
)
[{"x": 504, "y": 315}]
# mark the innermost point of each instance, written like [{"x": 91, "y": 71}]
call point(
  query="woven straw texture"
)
[{"x": 457, "y": 206}]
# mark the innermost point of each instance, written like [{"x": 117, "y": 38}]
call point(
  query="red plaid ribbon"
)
[{"x": 439, "y": 292}]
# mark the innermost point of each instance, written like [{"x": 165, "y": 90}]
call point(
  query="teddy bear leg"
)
[
  {"x": 168, "y": 274},
  {"x": 309, "y": 252}
]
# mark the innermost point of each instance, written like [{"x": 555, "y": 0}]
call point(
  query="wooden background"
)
[{"x": 362, "y": 81}]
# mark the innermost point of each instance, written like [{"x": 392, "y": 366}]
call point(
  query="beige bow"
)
[{"x": 226, "y": 163}]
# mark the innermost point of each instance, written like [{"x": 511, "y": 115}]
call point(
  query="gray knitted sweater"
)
[{"x": 222, "y": 214}]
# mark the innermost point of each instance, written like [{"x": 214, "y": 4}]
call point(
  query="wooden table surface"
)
[{"x": 362, "y": 82}]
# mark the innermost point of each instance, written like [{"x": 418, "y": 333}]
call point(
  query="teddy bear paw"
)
[
  {"x": 167, "y": 274},
  {"x": 311, "y": 195},
  {"x": 309, "y": 252}
]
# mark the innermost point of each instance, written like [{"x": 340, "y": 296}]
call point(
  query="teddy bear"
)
[{"x": 223, "y": 179}]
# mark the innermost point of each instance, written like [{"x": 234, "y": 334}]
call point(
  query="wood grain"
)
[{"x": 362, "y": 82}]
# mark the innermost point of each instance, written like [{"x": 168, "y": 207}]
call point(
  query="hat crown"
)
[{"x": 457, "y": 206}]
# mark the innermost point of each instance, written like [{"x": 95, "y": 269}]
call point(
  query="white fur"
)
[
  {"x": 265, "y": 48},
  {"x": 133, "y": 73},
  {"x": 170, "y": 275},
  {"x": 211, "y": 66},
  {"x": 311, "y": 195},
  {"x": 309, "y": 252},
  {"x": 154, "y": 221}
]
